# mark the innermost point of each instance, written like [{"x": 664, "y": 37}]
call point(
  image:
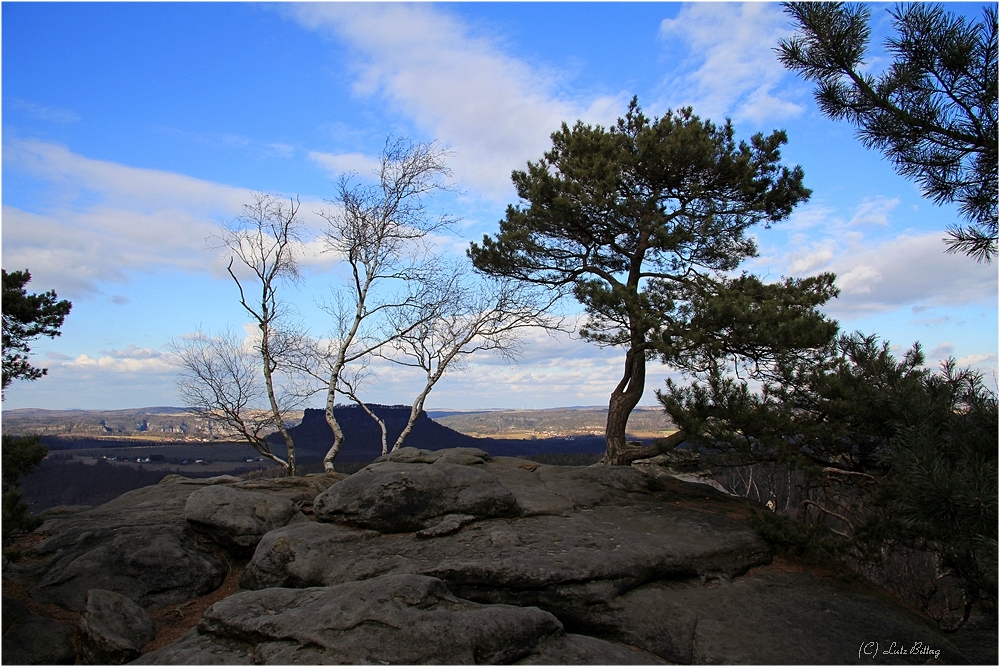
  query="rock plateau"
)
[{"x": 448, "y": 557}]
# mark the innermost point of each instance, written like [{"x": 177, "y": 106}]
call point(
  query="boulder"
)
[
  {"x": 456, "y": 455},
  {"x": 393, "y": 619},
  {"x": 113, "y": 629},
  {"x": 29, "y": 639},
  {"x": 401, "y": 497},
  {"x": 236, "y": 519},
  {"x": 142, "y": 546},
  {"x": 138, "y": 545},
  {"x": 155, "y": 566}
]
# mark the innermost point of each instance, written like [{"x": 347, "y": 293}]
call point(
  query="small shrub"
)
[{"x": 812, "y": 543}]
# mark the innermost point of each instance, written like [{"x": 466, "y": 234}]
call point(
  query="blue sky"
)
[{"x": 130, "y": 131}]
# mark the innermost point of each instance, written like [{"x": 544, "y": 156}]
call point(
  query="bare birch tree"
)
[
  {"x": 379, "y": 231},
  {"x": 219, "y": 380},
  {"x": 461, "y": 313}
]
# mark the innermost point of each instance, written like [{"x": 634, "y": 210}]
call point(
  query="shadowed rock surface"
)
[
  {"x": 113, "y": 629},
  {"x": 236, "y": 519},
  {"x": 399, "y": 497},
  {"x": 141, "y": 544},
  {"x": 394, "y": 619},
  {"x": 455, "y": 557},
  {"x": 29, "y": 639}
]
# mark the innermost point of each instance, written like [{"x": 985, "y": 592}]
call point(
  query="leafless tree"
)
[
  {"x": 380, "y": 232},
  {"x": 218, "y": 379},
  {"x": 462, "y": 313},
  {"x": 221, "y": 380}
]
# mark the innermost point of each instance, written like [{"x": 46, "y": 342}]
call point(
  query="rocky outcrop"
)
[
  {"x": 393, "y": 497},
  {"x": 452, "y": 557},
  {"x": 394, "y": 619},
  {"x": 236, "y": 519},
  {"x": 142, "y": 546},
  {"x": 113, "y": 629}
]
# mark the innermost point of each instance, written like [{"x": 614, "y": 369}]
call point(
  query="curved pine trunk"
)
[{"x": 623, "y": 399}]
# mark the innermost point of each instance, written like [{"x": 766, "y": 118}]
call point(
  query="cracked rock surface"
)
[
  {"x": 393, "y": 619},
  {"x": 454, "y": 557}
]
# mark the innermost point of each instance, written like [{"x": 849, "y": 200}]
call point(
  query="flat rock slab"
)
[
  {"x": 400, "y": 497},
  {"x": 394, "y": 619},
  {"x": 777, "y": 618}
]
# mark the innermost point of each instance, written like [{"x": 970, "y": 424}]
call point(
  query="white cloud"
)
[
  {"x": 109, "y": 364},
  {"x": 941, "y": 351},
  {"x": 860, "y": 279},
  {"x": 978, "y": 361},
  {"x": 812, "y": 260},
  {"x": 735, "y": 70},
  {"x": 873, "y": 211},
  {"x": 103, "y": 220},
  {"x": 51, "y": 114},
  {"x": 133, "y": 352},
  {"x": 906, "y": 271},
  {"x": 344, "y": 163},
  {"x": 495, "y": 112}
]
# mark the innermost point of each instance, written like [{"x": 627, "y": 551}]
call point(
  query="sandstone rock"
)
[
  {"x": 155, "y": 566},
  {"x": 400, "y": 497},
  {"x": 640, "y": 568},
  {"x": 448, "y": 524},
  {"x": 565, "y": 564},
  {"x": 394, "y": 619},
  {"x": 138, "y": 545},
  {"x": 770, "y": 617},
  {"x": 456, "y": 455},
  {"x": 614, "y": 553},
  {"x": 194, "y": 648},
  {"x": 570, "y": 649},
  {"x": 29, "y": 639},
  {"x": 299, "y": 490},
  {"x": 236, "y": 518},
  {"x": 113, "y": 629}
]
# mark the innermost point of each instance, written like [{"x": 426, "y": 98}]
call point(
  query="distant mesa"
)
[{"x": 363, "y": 438}]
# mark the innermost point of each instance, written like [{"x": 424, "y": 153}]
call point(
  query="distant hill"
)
[
  {"x": 156, "y": 423},
  {"x": 499, "y": 432},
  {"x": 645, "y": 423},
  {"x": 363, "y": 439}
]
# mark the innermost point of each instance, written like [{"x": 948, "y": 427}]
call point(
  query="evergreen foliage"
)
[
  {"x": 26, "y": 316},
  {"x": 940, "y": 485},
  {"x": 20, "y": 456},
  {"x": 932, "y": 112},
  {"x": 635, "y": 218},
  {"x": 913, "y": 452}
]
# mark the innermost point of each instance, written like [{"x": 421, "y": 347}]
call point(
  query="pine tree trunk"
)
[{"x": 624, "y": 398}]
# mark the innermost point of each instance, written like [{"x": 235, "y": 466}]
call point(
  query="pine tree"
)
[
  {"x": 932, "y": 112},
  {"x": 635, "y": 218}
]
